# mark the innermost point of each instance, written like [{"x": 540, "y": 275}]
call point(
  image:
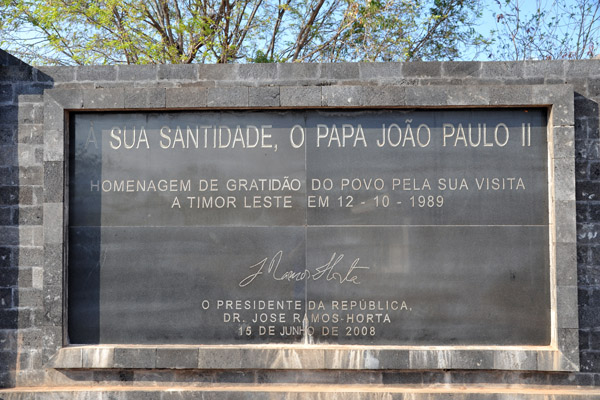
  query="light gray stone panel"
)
[
  {"x": 564, "y": 178},
  {"x": 566, "y": 264},
  {"x": 567, "y": 307},
  {"x": 67, "y": 98},
  {"x": 564, "y": 142},
  {"x": 300, "y": 96},
  {"x": 264, "y": 97},
  {"x": 104, "y": 98},
  {"x": 227, "y": 97},
  {"x": 188, "y": 97},
  {"x": 144, "y": 98},
  {"x": 53, "y": 222}
]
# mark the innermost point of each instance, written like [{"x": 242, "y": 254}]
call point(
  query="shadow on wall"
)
[{"x": 21, "y": 218}]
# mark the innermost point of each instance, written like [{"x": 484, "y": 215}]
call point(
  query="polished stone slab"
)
[{"x": 371, "y": 227}]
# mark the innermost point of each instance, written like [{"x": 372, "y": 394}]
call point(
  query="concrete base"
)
[{"x": 320, "y": 391}]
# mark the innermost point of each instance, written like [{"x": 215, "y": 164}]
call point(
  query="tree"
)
[
  {"x": 67, "y": 32},
  {"x": 556, "y": 29}
]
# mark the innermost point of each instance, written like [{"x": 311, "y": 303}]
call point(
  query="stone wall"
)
[{"x": 28, "y": 309}]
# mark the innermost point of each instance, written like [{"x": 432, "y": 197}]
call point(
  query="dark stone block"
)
[
  {"x": 502, "y": 69},
  {"x": 299, "y": 71},
  {"x": 7, "y": 132},
  {"x": 402, "y": 377},
  {"x": 477, "y": 377},
  {"x": 263, "y": 97},
  {"x": 589, "y": 316},
  {"x": 582, "y": 212},
  {"x": 581, "y": 170},
  {"x": 585, "y": 108},
  {"x": 6, "y": 94},
  {"x": 104, "y": 98},
  {"x": 216, "y": 72},
  {"x": 590, "y": 361},
  {"x": 594, "y": 87},
  {"x": 9, "y": 176},
  {"x": 257, "y": 72},
  {"x": 8, "y": 155},
  {"x": 134, "y": 358},
  {"x": 263, "y": 376},
  {"x": 9, "y": 195},
  {"x": 137, "y": 72},
  {"x": 340, "y": 71},
  {"x": 31, "y": 92},
  {"x": 6, "y": 216},
  {"x": 66, "y": 98},
  {"x": 545, "y": 69},
  {"x": 227, "y": 97},
  {"x": 594, "y": 212},
  {"x": 176, "y": 358},
  {"x": 134, "y": 395},
  {"x": 188, "y": 97},
  {"x": 581, "y": 149},
  {"x": 113, "y": 376},
  {"x": 581, "y": 68},
  {"x": 523, "y": 81},
  {"x": 9, "y": 319},
  {"x": 588, "y": 191},
  {"x": 6, "y": 298},
  {"x": 177, "y": 71},
  {"x": 421, "y": 69},
  {"x": 595, "y": 171},
  {"x": 595, "y": 255},
  {"x": 585, "y": 128},
  {"x": 9, "y": 114},
  {"x": 16, "y": 73},
  {"x": 296, "y": 96},
  {"x": 589, "y": 276},
  {"x": 6, "y": 258},
  {"x": 595, "y": 339},
  {"x": 10, "y": 235},
  {"x": 145, "y": 98},
  {"x": 461, "y": 69},
  {"x": 584, "y": 339},
  {"x": 56, "y": 74},
  {"x": 575, "y": 379}
]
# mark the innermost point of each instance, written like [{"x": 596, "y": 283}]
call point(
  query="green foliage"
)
[
  {"x": 205, "y": 31},
  {"x": 261, "y": 58}
]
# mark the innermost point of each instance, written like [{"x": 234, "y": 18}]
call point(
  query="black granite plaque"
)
[{"x": 374, "y": 227}]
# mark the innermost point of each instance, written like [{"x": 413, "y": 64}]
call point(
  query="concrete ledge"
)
[
  {"x": 293, "y": 391},
  {"x": 315, "y": 357}
]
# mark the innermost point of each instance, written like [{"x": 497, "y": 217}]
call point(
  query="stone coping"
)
[
  {"x": 561, "y": 355},
  {"x": 295, "y": 391},
  {"x": 307, "y": 357}
]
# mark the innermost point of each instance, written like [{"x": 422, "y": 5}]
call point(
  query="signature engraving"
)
[{"x": 330, "y": 271}]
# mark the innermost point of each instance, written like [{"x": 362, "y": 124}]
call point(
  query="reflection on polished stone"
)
[{"x": 378, "y": 227}]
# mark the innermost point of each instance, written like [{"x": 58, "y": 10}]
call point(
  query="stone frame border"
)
[{"x": 561, "y": 355}]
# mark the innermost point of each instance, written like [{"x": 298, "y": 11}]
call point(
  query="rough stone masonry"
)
[{"x": 32, "y": 178}]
